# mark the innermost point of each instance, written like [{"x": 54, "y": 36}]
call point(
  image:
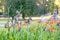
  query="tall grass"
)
[{"x": 33, "y": 32}]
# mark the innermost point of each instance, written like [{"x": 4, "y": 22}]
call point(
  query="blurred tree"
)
[
  {"x": 26, "y": 7},
  {"x": 48, "y": 6},
  {"x": 10, "y": 7},
  {"x": 29, "y": 7}
]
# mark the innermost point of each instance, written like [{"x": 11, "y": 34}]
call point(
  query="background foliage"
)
[{"x": 29, "y": 7}]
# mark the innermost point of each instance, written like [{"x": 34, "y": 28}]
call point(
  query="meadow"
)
[{"x": 33, "y": 31}]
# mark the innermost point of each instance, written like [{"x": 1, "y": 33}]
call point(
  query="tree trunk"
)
[{"x": 57, "y": 9}]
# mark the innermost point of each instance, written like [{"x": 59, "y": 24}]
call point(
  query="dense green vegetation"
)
[
  {"x": 32, "y": 32},
  {"x": 29, "y": 7}
]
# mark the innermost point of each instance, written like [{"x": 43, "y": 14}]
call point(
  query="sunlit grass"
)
[{"x": 3, "y": 21}]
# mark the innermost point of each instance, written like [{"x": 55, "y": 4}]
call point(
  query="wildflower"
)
[
  {"x": 51, "y": 29},
  {"x": 16, "y": 25},
  {"x": 24, "y": 24},
  {"x": 58, "y": 20}
]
